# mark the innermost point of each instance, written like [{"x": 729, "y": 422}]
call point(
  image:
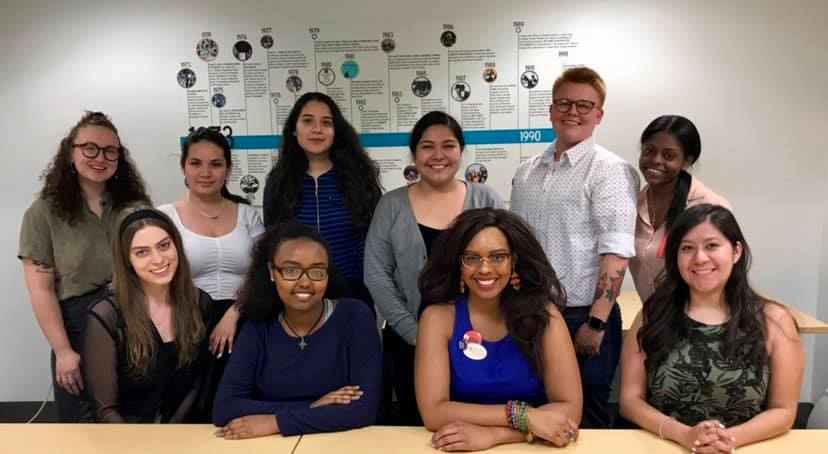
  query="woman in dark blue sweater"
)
[
  {"x": 325, "y": 179},
  {"x": 303, "y": 363}
]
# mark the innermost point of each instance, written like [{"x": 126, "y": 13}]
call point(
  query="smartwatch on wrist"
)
[{"x": 596, "y": 323}]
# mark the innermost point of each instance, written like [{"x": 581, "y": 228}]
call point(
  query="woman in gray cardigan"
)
[{"x": 405, "y": 223}]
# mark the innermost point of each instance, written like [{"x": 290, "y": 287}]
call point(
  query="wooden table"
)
[
  {"x": 199, "y": 439},
  {"x": 416, "y": 440},
  {"x": 131, "y": 439},
  {"x": 631, "y": 304}
]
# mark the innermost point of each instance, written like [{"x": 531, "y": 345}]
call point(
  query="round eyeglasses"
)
[
  {"x": 91, "y": 151},
  {"x": 583, "y": 106}
]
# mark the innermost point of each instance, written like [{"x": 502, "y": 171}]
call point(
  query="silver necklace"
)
[
  {"x": 206, "y": 215},
  {"x": 302, "y": 344}
]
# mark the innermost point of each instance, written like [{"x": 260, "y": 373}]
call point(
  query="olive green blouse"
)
[
  {"x": 695, "y": 382},
  {"x": 79, "y": 254}
]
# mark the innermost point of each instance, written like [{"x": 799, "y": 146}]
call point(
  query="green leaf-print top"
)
[{"x": 696, "y": 383}]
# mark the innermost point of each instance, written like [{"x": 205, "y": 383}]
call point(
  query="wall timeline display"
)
[{"x": 494, "y": 77}]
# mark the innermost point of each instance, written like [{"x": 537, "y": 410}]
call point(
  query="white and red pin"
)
[{"x": 472, "y": 345}]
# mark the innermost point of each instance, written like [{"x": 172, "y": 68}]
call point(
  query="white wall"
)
[{"x": 751, "y": 74}]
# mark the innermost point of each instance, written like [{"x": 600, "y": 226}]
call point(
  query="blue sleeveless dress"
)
[{"x": 504, "y": 374}]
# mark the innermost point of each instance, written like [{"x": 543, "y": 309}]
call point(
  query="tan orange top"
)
[{"x": 646, "y": 265}]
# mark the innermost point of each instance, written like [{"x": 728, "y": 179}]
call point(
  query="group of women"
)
[{"x": 268, "y": 326}]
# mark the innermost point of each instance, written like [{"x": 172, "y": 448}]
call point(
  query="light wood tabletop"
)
[
  {"x": 630, "y": 305},
  {"x": 131, "y": 439},
  {"x": 416, "y": 440}
]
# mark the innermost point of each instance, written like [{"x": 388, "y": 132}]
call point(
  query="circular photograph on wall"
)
[
  {"x": 207, "y": 49},
  {"x": 350, "y": 69},
  {"x": 411, "y": 174},
  {"x": 293, "y": 84},
  {"x": 266, "y": 41},
  {"x": 250, "y": 186},
  {"x": 388, "y": 45},
  {"x": 460, "y": 91},
  {"x": 219, "y": 100},
  {"x": 186, "y": 78},
  {"x": 489, "y": 75},
  {"x": 529, "y": 79},
  {"x": 421, "y": 87},
  {"x": 448, "y": 38},
  {"x": 242, "y": 50},
  {"x": 326, "y": 76},
  {"x": 476, "y": 173}
]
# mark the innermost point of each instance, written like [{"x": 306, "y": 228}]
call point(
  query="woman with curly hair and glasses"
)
[
  {"x": 303, "y": 363},
  {"x": 65, "y": 247},
  {"x": 324, "y": 178},
  {"x": 709, "y": 363},
  {"x": 494, "y": 360}
]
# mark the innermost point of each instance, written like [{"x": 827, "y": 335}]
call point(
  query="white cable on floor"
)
[{"x": 46, "y": 399}]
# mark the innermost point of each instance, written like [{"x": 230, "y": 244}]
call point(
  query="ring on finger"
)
[
  {"x": 70, "y": 379},
  {"x": 569, "y": 434}
]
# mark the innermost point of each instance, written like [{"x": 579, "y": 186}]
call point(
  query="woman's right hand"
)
[
  {"x": 552, "y": 425},
  {"x": 342, "y": 396},
  {"x": 67, "y": 371}
]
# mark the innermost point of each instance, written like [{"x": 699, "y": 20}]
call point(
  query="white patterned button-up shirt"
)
[{"x": 581, "y": 207}]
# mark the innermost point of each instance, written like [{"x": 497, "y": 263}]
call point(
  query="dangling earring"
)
[
  {"x": 185, "y": 183},
  {"x": 515, "y": 280},
  {"x": 462, "y": 287}
]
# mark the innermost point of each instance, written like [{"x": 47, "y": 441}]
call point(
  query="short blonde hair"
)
[{"x": 582, "y": 75}]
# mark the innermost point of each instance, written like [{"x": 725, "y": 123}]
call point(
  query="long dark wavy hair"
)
[
  {"x": 258, "y": 297},
  {"x": 525, "y": 310},
  {"x": 665, "y": 323},
  {"x": 61, "y": 187},
  {"x": 685, "y": 132},
  {"x": 187, "y": 322},
  {"x": 357, "y": 175},
  {"x": 216, "y": 138}
]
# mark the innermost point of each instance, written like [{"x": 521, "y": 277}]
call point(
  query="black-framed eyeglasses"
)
[
  {"x": 91, "y": 150},
  {"x": 475, "y": 261},
  {"x": 294, "y": 273},
  {"x": 582, "y": 106}
]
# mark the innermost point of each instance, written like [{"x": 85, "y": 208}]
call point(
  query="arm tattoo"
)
[
  {"x": 41, "y": 267},
  {"x": 610, "y": 286}
]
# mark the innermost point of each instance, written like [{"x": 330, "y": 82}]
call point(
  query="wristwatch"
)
[{"x": 596, "y": 323}]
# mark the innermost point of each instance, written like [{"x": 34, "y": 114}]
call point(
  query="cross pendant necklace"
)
[{"x": 302, "y": 344}]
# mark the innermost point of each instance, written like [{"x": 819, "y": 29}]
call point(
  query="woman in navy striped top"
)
[{"x": 324, "y": 178}]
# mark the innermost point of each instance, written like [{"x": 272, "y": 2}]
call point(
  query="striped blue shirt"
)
[{"x": 323, "y": 207}]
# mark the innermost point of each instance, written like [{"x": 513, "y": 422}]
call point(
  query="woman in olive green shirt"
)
[{"x": 65, "y": 247}]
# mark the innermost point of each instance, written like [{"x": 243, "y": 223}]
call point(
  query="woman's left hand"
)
[
  {"x": 249, "y": 427},
  {"x": 462, "y": 436},
  {"x": 221, "y": 339}
]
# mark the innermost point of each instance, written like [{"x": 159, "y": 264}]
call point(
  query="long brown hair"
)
[
  {"x": 61, "y": 187},
  {"x": 187, "y": 323}
]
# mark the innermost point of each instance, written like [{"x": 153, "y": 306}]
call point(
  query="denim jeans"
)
[{"x": 597, "y": 372}]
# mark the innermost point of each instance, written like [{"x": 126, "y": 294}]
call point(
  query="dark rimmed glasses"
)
[
  {"x": 294, "y": 273},
  {"x": 582, "y": 106},
  {"x": 91, "y": 150}
]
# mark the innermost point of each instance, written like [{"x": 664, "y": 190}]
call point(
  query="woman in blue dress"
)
[{"x": 494, "y": 361}]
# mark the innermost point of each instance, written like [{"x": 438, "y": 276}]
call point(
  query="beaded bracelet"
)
[
  {"x": 516, "y": 412},
  {"x": 522, "y": 419}
]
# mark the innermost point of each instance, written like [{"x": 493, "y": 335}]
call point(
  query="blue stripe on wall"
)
[{"x": 400, "y": 139}]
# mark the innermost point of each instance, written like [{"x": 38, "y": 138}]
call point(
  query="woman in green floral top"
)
[{"x": 708, "y": 363}]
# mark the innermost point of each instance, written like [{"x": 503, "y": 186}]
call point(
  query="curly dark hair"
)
[
  {"x": 665, "y": 324},
  {"x": 258, "y": 298},
  {"x": 357, "y": 175},
  {"x": 524, "y": 310},
  {"x": 61, "y": 187},
  {"x": 216, "y": 138}
]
